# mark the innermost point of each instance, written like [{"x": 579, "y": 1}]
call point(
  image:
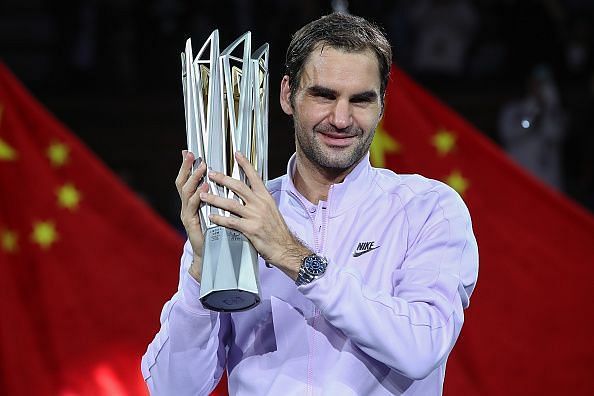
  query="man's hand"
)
[
  {"x": 259, "y": 219},
  {"x": 189, "y": 193}
]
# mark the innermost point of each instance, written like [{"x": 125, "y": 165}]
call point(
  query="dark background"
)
[{"x": 110, "y": 70}]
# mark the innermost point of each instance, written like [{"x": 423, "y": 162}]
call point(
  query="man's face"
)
[{"x": 336, "y": 107}]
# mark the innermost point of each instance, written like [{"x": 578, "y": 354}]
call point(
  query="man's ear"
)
[
  {"x": 383, "y": 104},
  {"x": 285, "y": 96}
]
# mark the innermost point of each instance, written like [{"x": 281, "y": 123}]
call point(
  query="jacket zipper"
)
[
  {"x": 319, "y": 234},
  {"x": 319, "y": 242}
]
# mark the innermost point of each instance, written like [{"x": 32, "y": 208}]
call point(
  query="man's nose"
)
[{"x": 342, "y": 116}]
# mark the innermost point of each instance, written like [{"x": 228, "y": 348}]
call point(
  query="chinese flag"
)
[
  {"x": 528, "y": 330},
  {"x": 85, "y": 265}
]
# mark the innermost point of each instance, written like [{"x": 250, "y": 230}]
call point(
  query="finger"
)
[
  {"x": 184, "y": 170},
  {"x": 254, "y": 178},
  {"x": 237, "y": 186},
  {"x": 191, "y": 184},
  {"x": 234, "y": 223},
  {"x": 193, "y": 203},
  {"x": 230, "y": 205}
]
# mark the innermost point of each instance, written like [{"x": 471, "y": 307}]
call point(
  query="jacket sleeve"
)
[
  {"x": 412, "y": 327},
  {"x": 188, "y": 354}
]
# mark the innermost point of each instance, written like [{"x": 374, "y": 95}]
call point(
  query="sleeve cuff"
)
[
  {"x": 190, "y": 295},
  {"x": 318, "y": 290}
]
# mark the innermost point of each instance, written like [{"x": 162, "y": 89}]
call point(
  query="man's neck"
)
[{"x": 313, "y": 181}]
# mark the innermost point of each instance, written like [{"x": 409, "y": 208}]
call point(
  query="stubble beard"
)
[{"x": 309, "y": 144}]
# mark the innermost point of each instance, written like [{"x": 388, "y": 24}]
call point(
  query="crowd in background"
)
[{"x": 521, "y": 70}]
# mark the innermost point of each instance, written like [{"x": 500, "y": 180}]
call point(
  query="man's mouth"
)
[
  {"x": 337, "y": 139},
  {"x": 338, "y": 135}
]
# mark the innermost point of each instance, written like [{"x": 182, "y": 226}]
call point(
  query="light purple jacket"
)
[{"x": 403, "y": 262}]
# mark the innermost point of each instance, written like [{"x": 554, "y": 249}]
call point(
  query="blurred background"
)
[{"x": 520, "y": 71}]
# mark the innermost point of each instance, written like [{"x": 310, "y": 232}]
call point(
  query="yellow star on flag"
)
[
  {"x": 68, "y": 196},
  {"x": 44, "y": 233},
  {"x": 382, "y": 143},
  {"x": 444, "y": 141},
  {"x": 457, "y": 182},
  {"x": 8, "y": 241},
  {"x": 7, "y": 153},
  {"x": 58, "y": 154}
]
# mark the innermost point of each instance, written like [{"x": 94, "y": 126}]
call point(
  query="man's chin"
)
[
  {"x": 331, "y": 157},
  {"x": 337, "y": 160}
]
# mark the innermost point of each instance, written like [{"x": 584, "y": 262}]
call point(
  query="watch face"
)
[{"x": 315, "y": 265}]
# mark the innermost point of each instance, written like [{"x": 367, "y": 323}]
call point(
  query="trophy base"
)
[
  {"x": 230, "y": 300},
  {"x": 229, "y": 271}
]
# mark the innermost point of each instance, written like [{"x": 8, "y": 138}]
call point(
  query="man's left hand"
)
[{"x": 258, "y": 219}]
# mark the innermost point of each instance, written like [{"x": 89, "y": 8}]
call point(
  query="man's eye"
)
[
  {"x": 325, "y": 96},
  {"x": 361, "y": 100}
]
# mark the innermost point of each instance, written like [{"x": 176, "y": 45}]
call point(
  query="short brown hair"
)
[{"x": 340, "y": 31}]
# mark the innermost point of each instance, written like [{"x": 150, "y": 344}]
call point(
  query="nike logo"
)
[{"x": 364, "y": 247}]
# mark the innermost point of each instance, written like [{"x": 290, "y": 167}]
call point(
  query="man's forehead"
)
[
  {"x": 326, "y": 64},
  {"x": 326, "y": 51}
]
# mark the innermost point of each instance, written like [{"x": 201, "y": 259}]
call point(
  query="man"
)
[{"x": 371, "y": 272}]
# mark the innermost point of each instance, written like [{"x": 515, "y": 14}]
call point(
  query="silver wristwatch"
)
[{"x": 312, "y": 267}]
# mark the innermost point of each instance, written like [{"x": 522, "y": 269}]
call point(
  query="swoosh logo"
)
[{"x": 361, "y": 252}]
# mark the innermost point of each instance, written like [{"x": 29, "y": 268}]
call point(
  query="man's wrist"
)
[
  {"x": 195, "y": 270},
  {"x": 292, "y": 258}
]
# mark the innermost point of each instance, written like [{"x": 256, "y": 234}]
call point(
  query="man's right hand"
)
[{"x": 189, "y": 193}]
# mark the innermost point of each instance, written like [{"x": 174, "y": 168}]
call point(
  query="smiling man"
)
[{"x": 372, "y": 270}]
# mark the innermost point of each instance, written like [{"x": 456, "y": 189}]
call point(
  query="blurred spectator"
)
[
  {"x": 578, "y": 49},
  {"x": 531, "y": 129},
  {"x": 444, "y": 30},
  {"x": 489, "y": 53}
]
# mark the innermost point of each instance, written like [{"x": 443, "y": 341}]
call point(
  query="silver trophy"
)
[{"x": 226, "y": 109}]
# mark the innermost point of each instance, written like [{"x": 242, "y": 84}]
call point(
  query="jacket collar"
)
[{"x": 341, "y": 196}]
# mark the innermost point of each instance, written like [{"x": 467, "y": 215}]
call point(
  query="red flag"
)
[
  {"x": 85, "y": 266},
  {"x": 528, "y": 328}
]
